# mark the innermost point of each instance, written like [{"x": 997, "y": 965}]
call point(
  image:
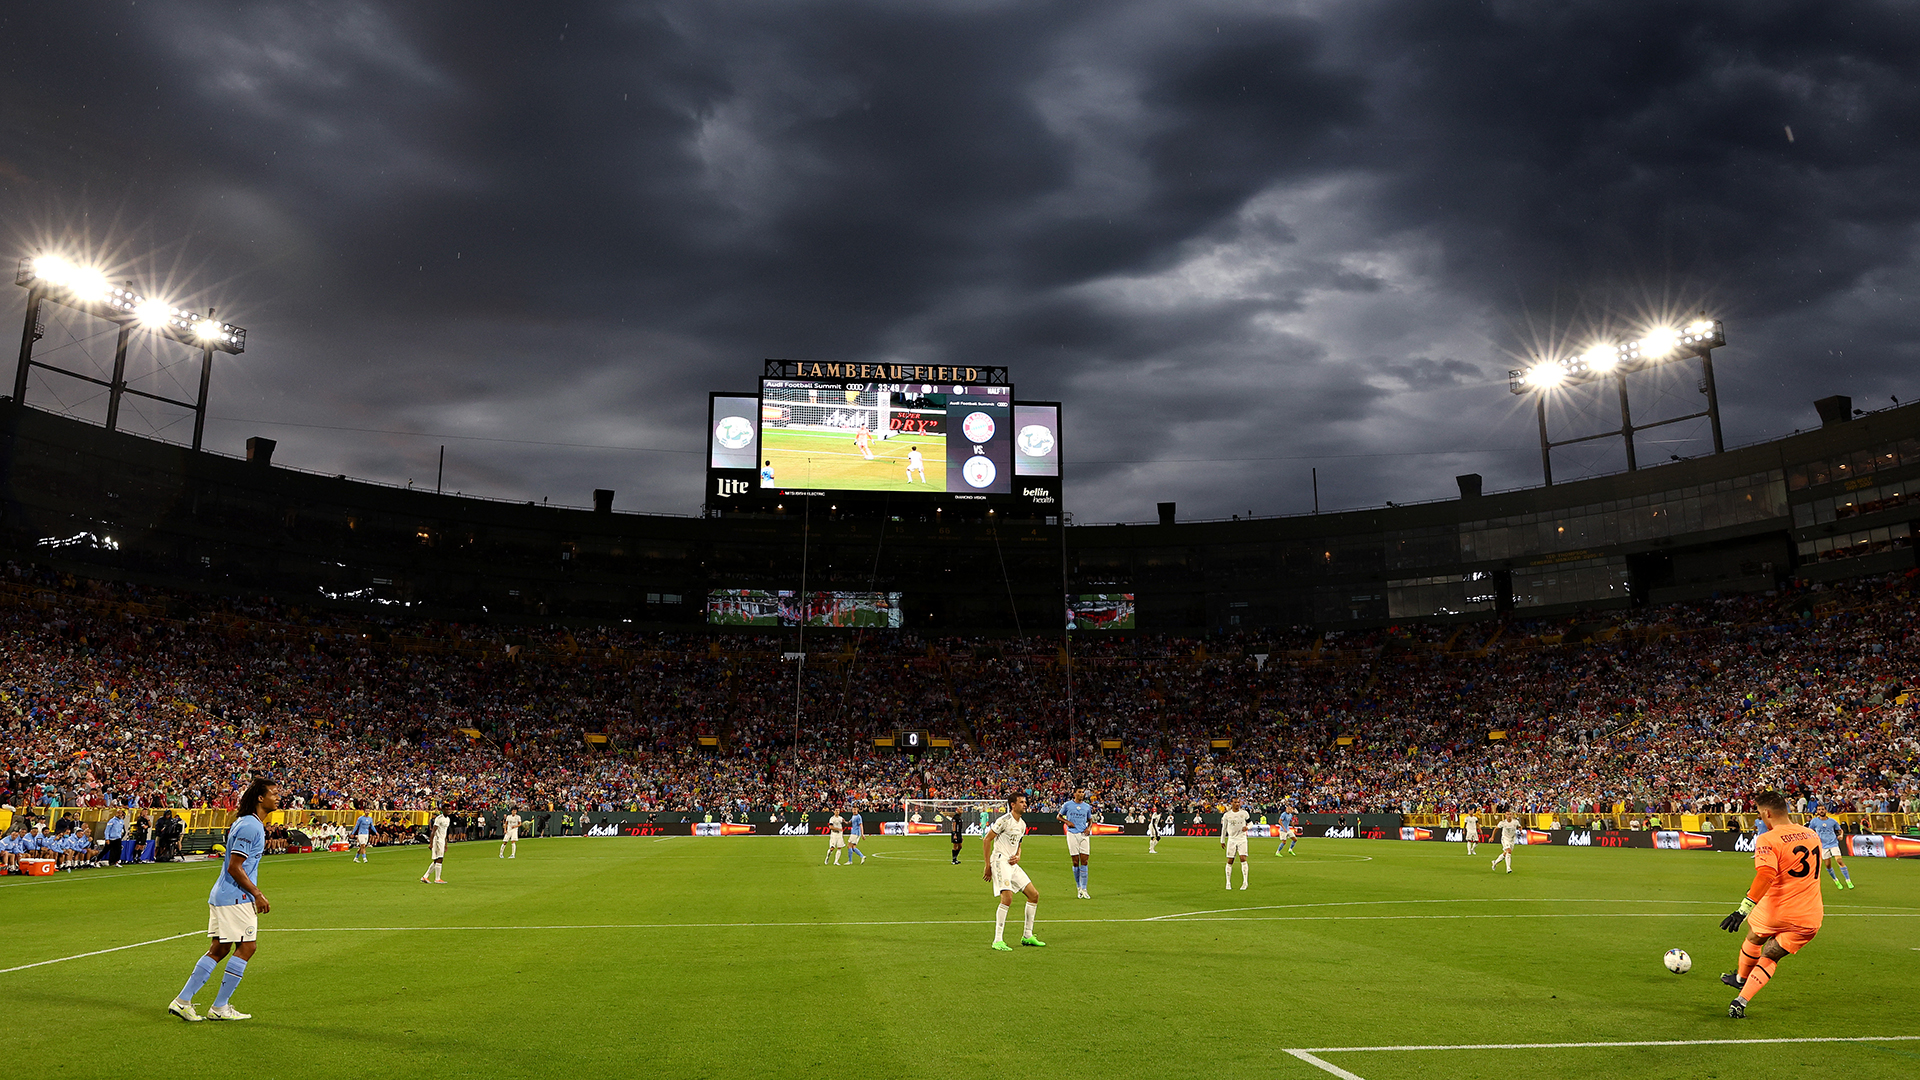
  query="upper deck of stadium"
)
[{"x": 1822, "y": 504}]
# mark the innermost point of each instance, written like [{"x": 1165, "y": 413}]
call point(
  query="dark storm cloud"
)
[{"x": 1239, "y": 240}]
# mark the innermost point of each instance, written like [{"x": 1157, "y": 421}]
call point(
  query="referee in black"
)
[{"x": 954, "y": 828}]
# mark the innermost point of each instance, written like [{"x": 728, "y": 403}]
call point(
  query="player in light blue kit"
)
[
  {"x": 234, "y": 907},
  {"x": 1077, "y": 814},
  {"x": 1828, "y": 830},
  {"x": 363, "y": 831},
  {"x": 1288, "y": 841},
  {"x": 856, "y": 828}
]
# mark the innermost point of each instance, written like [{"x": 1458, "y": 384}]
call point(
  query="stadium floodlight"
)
[
  {"x": 1614, "y": 360},
  {"x": 1546, "y": 374},
  {"x": 151, "y": 313},
  {"x": 52, "y": 277}
]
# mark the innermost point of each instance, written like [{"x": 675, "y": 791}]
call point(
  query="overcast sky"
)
[{"x": 1238, "y": 240}]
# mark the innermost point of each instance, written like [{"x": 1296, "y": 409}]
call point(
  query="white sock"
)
[
  {"x": 1243, "y": 872},
  {"x": 436, "y": 872},
  {"x": 1229, "y": 875},
  {"x": 1000, "y": 923},
  {"x": 1032, "y": 909}
]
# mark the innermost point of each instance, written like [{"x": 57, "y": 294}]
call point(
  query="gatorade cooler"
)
[{"x": 37, "y": 867}]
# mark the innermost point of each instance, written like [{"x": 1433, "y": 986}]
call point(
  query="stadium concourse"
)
[{"x": 116, "y": 696}]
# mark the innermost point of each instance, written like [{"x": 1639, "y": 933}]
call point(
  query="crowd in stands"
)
[{"x": 115, "y": 696}]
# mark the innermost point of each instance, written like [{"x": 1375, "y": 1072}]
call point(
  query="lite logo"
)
[
  {"x": 727, "y": 489},
  {"x": 1412, "y": 832}
]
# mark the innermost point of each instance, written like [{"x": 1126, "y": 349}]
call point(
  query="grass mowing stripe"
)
[{"x": 752, "y": 962}]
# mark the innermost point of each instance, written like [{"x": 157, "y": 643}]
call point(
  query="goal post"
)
[
  {"x": 926, "y": 817},
  {"x": 831, "y": 409}
]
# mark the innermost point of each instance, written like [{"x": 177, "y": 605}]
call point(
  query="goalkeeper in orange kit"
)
[{"x": 1782, "y": 908}]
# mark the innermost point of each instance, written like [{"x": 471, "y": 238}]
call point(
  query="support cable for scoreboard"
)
[
  {"x": 860, "y": 634},
  {"x": 1066, "y": 634},
  {"x": 994, "y": 530}
]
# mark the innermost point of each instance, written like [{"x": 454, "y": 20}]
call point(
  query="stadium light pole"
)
[
  {"x": 54, "y": 278},
  {"x": 1615, "y": 360}
]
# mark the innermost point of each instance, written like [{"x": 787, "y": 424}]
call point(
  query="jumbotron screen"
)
[
  {"x": 1100, "y": 611},
  {"x": 839, "y": 436},
  {"x": 760, "y": 607}
]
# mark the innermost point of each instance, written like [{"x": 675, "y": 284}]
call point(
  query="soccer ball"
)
[{"x": 1678, "y": 961}]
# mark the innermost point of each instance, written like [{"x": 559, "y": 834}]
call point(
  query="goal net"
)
[
  {"x": 829, "y": 408},
  {"x": 925, "y": 817}
]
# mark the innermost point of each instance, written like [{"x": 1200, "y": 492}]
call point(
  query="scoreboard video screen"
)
[
  {"x": 946, "y": 438},
  {"x": 759, "y": 607},
  {"x": 873, "y": 432}
]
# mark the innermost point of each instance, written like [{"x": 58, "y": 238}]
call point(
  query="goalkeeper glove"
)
[{"x": 1731, "y": 924}]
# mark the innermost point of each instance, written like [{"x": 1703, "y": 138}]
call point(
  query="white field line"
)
[
  {"x": 1311, "y": 1056},
  {"x": 103, "y": 952},
  {"x": 108, "y": 875},
  {"x": 1214, "y": 915},
  {"x": 970, "y": 922},
  {"x": 1609, "y": 1045},
  {"x": 1325, "y": 1066},
  {"x": 1715, "y": 904},
  {"x": 1408, "y": 903}
]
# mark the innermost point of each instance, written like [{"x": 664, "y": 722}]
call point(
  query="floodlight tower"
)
[
  {"x": 1616, "y": 359},
  {"x": 53, "y": 278}
]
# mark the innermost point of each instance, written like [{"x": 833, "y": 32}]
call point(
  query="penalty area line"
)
[
  {"x": 103, "y": 952},
  {"x": 1609, "y": 1045},
  {"x": 1311, "y": 1056},
  {"x": 1324, "y": 1066}
]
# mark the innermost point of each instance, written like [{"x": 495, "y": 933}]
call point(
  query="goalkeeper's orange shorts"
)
[{"x": 1791, "y": 938}]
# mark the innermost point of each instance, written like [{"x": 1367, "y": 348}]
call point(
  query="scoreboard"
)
[{"x": 903, "y": 433}]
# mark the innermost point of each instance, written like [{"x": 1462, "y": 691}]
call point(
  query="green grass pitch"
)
[
  {"x": 745, "y": 957},
  {"x": 823, "y": 460}
]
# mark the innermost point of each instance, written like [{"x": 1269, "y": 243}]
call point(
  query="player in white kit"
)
[
  {"x": 1002, "y": 852},
  {"x": 1509, "y": 832},
  {"x": 1470, "y": 830},
  {"x": 836, "y": 840},
  {"x": 1233, "y": 839},
  {"x": 916, "y": 464},
  {"x": 438, "y": 839},
  {"x": 510, "y": 835},
  {"x": 1153, "y": 831}
]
